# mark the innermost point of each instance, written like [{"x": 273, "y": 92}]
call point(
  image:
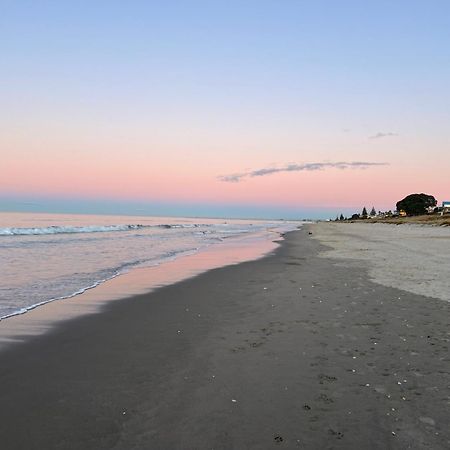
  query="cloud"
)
[
  {"x": 381, "y": 135},
  {"x": 310, "y": 167},
  {"x": 233, "y": 178}
]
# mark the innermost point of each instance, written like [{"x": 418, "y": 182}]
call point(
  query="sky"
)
[{"x": 223, "y": 108}]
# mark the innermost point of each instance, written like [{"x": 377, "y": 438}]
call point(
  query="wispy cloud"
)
[
  {"x": 381, "y": 135},
  {"x": 342, "y": 165}
]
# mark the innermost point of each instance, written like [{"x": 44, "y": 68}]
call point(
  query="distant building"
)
[{"x": 445, "y": 207}]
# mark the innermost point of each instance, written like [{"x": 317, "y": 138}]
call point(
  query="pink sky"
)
[
  {"x": 183, "y": 95},
  {"x": 173, "y": 176}
]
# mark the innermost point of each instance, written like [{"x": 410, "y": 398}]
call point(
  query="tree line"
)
[{"x": 411, "y": 205}]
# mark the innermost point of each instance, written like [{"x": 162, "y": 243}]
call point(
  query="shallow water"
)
[{"x": 44, "y": 257}]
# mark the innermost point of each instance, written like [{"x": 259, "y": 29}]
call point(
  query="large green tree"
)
[{"x": 416, "y": 204}]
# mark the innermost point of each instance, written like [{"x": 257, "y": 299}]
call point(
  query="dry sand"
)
[
  {"x": 290, "y": 351},
  {"x": 414, "y": 258}
]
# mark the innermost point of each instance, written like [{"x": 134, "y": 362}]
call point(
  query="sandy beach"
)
[
  {"x": 415, "y": 258},
  {"x": 306, "y": 348}
]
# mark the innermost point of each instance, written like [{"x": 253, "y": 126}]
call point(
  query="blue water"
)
[{"x": 44, "y": 257}]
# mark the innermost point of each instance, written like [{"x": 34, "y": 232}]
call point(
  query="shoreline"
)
[
  {"x": 40, "y": 318},
  {"x": 289, "y": 350}
]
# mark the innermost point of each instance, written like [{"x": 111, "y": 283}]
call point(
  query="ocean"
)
[{"x": 47, "y": 257}]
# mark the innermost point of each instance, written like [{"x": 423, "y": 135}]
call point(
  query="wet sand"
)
[
  {"x": 135, "y": 282},
  {"x": 291, "y": 351}
]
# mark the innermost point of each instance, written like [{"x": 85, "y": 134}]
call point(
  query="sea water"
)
[{"x": 46, "y": 257}]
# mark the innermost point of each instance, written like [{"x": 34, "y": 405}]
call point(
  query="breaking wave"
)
[{"x": 85, "y": 229}]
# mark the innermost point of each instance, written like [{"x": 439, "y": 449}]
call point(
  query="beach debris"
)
[
  {"x": 234, "y": 400},
  {"x": 393, "y": 433},
  {"x": 178, "y": 331},
  {"x": 306, "y": 407},
  {"x": 265, "y": 288},
  {"x": 278, "y": 438},
  {"x": 124, "y": 412}
]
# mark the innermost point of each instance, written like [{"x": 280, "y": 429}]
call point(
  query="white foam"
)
[
  {"x": 13, "y": 231},
  {"x": 36, "y": 305},
  {"x": 65, "y": 230}
]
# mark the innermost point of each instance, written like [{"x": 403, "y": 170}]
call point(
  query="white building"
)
[{"x": 445, "y": 207}]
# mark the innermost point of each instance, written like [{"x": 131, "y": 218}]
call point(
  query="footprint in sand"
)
[
  {"x": 337, "y": 434},
  {"x": 326, "y": 378},
  {"x": 325, "y": 399}
]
